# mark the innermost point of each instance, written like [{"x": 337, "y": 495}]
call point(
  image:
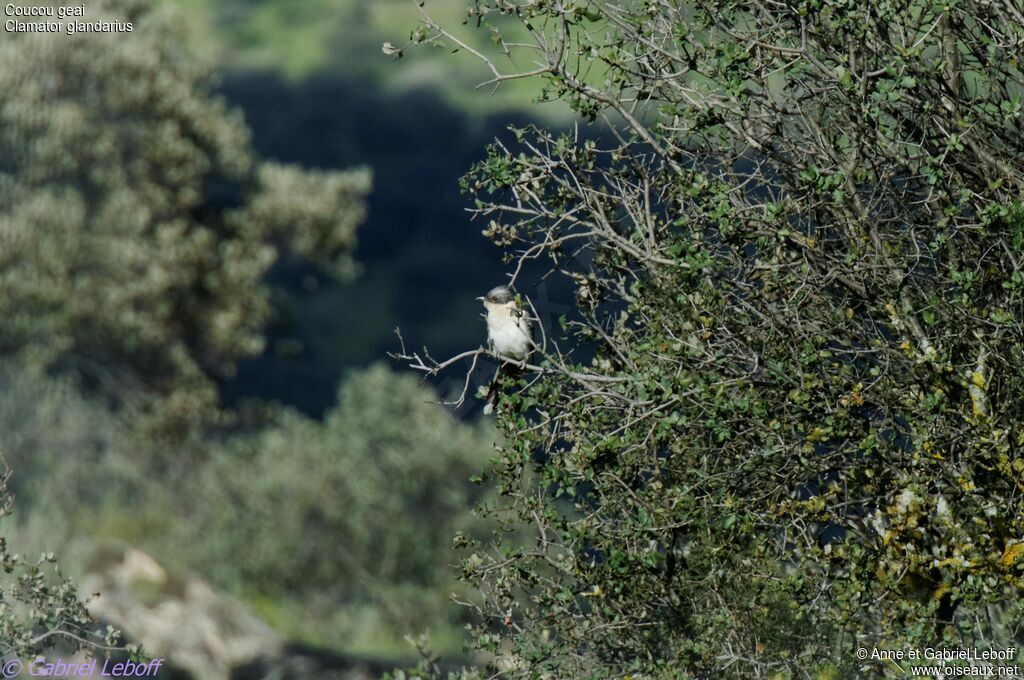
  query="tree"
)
[
  {"x": 137, "y": 223},
  {"x": 797, "y": 244},
  {"x": 350, "y": 520}
]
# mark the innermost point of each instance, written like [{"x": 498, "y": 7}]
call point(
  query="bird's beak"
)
[{"x": 481, "y": 298}]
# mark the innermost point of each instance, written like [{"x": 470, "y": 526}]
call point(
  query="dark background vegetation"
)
[{"x": 423, "y": 260}]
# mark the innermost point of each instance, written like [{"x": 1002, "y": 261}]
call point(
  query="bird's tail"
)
[{"x": 512, "y": 371}]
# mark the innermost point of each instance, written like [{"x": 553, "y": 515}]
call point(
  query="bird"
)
[{"x": 509, "y": 334}]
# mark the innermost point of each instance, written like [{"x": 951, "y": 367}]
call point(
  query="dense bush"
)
[
  {"x": 352, "y": 518},
  {"x": 798, "y": 254}
]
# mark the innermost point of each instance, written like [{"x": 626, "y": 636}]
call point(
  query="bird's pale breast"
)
[{"x": 509, "y": 331}]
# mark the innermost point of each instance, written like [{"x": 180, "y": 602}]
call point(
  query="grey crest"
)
[{"x": 500, "y": 295}]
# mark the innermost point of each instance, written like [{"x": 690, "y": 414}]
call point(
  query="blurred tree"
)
[
  {"x": 799, "y": 256},
  {"x": 353, "y": 517},
  {"x": 137, "y": 224}
]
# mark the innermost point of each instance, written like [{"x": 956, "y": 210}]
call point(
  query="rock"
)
[
  {"x": 206, "y": 635},
  {"x": 202, "y": 632}
]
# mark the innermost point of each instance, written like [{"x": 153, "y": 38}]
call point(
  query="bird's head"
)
[{"x": 498, "y": 296}]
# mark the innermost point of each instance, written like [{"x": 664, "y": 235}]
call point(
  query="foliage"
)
[
  {"x": 138, "y": 224},
  {"x": 338, "y": 533},
  {"x": 797, "y": 254},
  {"x": 39, "y": 608},
  {"x": 351, "y": 519}
]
